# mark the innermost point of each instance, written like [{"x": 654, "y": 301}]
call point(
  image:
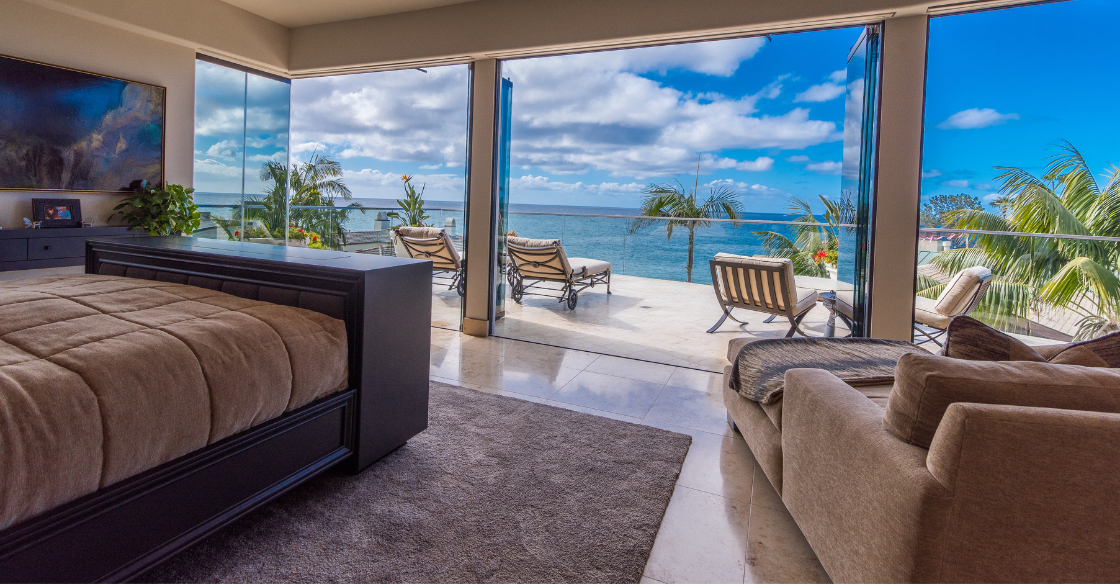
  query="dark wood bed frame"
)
[{"x": 122, "y": 530}]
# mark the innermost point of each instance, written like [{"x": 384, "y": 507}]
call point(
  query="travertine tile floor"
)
[
  {"x": 643, "y": 318},
  {"x": 725, "y": 522}
]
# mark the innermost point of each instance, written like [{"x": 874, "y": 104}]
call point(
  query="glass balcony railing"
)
[{"x": 1046, "y": 287}]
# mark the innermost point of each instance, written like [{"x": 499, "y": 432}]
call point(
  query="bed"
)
[{"x": 181, "y": 383}]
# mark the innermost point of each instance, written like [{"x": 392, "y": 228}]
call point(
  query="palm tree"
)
[
  {"x": 813, "y": 245},
  {"x": 1075, "y": 274},
  {"x": 315, "y": 183},
  {"x": 681, "y": 206}
]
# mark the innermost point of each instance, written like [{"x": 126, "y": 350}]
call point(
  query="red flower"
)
[
  {"x": 237, "y": 234},
  {"x": 819, "y": 256}
]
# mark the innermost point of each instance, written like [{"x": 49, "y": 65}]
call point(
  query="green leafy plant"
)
[
  {"x": 161, "y": 211},
  {"x": 681, "y": 205},
  {"x": 412, "y": 206},
  {"x": 1074, "y": 274},
  {"x": 813, "y": 247}
]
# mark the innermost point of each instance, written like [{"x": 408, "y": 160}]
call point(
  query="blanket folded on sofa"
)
[
  {"x": 102, "y": 378},
  {"x": 760, "y": 368}
]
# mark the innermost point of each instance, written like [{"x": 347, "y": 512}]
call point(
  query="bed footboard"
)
[{"x": 120, "y": 531}]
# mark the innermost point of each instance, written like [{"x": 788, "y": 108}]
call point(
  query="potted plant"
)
[
  {"x": 411, "y": 214},
  {"x": 160, "y": 211}
]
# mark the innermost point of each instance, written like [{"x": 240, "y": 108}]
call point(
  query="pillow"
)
[
  {"x": 970, "y": 339},
  {"x": 925, "y": 386}
]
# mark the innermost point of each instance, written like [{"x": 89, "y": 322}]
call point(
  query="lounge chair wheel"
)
[
  {"x": 572, "y": 299},
  {"x": 461, "y": 287},
  {"x": 517, "y": 293}
]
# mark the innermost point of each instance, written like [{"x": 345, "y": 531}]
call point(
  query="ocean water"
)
[{"x": 647, "y": 253}]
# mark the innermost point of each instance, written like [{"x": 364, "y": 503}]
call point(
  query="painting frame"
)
[
  {"x": 46, "y": 212},
  {"x": 162, "y": 92}
]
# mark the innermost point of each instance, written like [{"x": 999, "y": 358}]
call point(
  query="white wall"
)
[{"x": 32, "y": 32}]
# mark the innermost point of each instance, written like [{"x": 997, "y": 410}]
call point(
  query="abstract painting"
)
[{"x": 67, "y": 130}]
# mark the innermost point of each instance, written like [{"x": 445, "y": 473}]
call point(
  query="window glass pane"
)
[
  {"x": 219, "y": 131},
  {"x": 266, "y": 152},
  {"x": 357, "y": 137},
  {"x": 1020, "y": 134}
]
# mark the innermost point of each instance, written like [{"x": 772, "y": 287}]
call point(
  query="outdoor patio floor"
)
[{"x": 643, "y": 318}]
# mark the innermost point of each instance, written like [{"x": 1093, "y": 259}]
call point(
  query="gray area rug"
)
[{"x": 496, "y": 490}]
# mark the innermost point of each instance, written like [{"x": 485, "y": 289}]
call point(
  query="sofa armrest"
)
[
  {"x": 1035, "y": 493},
  {"x": 864, "y": 499}
]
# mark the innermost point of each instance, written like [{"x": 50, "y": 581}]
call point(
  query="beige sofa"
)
[{"x": 926, "y": 485}]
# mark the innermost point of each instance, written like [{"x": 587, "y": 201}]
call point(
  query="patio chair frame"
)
[
  {"x": 748, "y": 294},
  {"x": 436, "y": 249},
  {"x": 540, "y": 258},
  {"x": 935, "y": 333}
]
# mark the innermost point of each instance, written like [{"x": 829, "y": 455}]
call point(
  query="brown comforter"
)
[{"x": 103, "y": 377}]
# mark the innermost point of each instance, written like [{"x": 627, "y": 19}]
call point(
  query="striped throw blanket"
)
[{"x": 760, "y": 369}]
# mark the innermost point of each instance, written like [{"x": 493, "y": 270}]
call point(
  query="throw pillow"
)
[{"x": 972, "y": 340}]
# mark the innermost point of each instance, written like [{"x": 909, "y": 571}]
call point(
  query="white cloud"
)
[
  {"x": 826, "y": 167},
  {"x": 957, "y": 184},
  {"x": 931, "y": 173},
  {"x": 544, "y": 183},
  {"x": 990, "y": 198},
  {"x": 430, "y": 166},
  {"x": 798, "y": 158},
  {"x": 760, "y": 164},
  {"x": 225, "y": 149},
  {"x": 380, "y": 184},
  {"x": 405, "y": 116},
  {"x": 827, "y": 91},
  {"x": 972, "y": 119},
  {"x": 581, "y": 113}
]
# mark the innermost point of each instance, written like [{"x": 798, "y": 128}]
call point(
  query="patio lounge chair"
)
[
  {"x": 761, "y": 284},
  {"x": 960, "y": 297},
  {"x": 432, "y": 243},
  {"x": 535, "y": 261}
]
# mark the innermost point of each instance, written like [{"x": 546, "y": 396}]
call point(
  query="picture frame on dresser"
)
[{"x": 57, "y": 212}]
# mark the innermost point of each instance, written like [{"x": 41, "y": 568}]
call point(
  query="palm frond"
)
[{"x": 1078, "y": 278}]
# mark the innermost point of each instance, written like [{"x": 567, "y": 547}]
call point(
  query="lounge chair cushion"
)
[
  {"x": 806, "y": 298},
  {"x": 526, "y": 242},
  {"x": 592, "y": 266},
  {"x": 845, "y": 300},
  {"x": 421, "y": 232},
  {"x": 925, "y": 312},
  {"x": 444, "y": 256},
  {"x": 958, "y": 293}
]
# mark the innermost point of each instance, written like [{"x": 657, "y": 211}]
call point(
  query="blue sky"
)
[
  {"x": 1025, "y": 78},
  {"x": 764, "y": 115}
]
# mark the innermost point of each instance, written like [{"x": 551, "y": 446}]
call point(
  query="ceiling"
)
[{"x": 294, "y": 13}]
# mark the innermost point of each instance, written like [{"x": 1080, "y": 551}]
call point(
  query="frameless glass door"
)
[{"x": 857, "y": 187}]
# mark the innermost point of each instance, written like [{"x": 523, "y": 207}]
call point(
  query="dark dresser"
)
[{"x": 29, "y": 249}]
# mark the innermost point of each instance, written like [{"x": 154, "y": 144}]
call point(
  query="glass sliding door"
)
[
  {"x": 857, "y": 179},
  {"x": 241, "y": 152},
  {"x": 505, "y": 115}
]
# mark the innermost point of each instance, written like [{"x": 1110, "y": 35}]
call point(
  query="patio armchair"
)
[
  {"x": 761, "y": 284},
  {"x": 960, "y": 297},
  {"x": 532, "y": 262},
  {"x": 433, "y": 243}
]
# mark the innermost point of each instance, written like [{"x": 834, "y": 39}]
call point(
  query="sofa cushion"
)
[
  {"x": 925, "y": 385},
  {"x": 876, "y": 393}
]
